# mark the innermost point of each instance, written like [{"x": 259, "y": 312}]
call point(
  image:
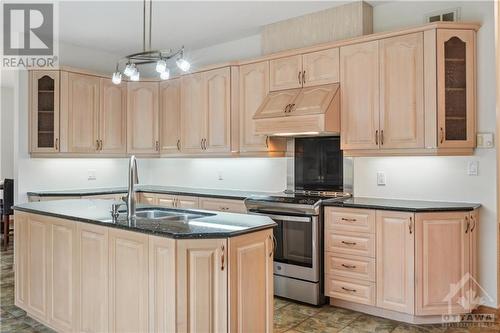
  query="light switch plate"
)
[
  {"x": 91, "y": 175},
  {"x": 380, "y": 178},
  {"x": 484, "y": 140},
  {"x": 473, "y": 168}
]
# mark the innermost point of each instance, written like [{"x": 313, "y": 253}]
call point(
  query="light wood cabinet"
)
[
  {"x": 202, "y": 267},
  {"x": 442, "y": 259},
  {"x": 83, "y": 112},
  {"x": 402, "y": 92},
  {"x": 169, "y": 200},
  {"x": 44, "y": 114},
  {"x": 128, "y": 281},
  {"x": 359, "y": 77},
  {"x": 142, "y": 118},
  {"x": 251, "y": 290},
  {"x": 192, "y": 113},
  {"x": 395, "y": 255},
  {"x": 112, "y": 120},
  {"x": 170, "y": 116},
  {"x": 187, "y": 202},
  {"x": 286, "y": 73},
  {"x": 223, "y": 205}
]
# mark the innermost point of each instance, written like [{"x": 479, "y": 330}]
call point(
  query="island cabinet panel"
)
[
  {"x": 162, "y": 288},
  {"x": 92, "y": 243},
  {"x": 62, "y": 269},
  {"x": 442, "y": 261},
  {"x": 21, "y": 268},
  {"x": 128, "y": 281},
  {"x": 142, "y": 118},
  {"x": 251, "y": 283},
  {"x": 202, "y": 267},
  {"x": 395, "y": 261}
]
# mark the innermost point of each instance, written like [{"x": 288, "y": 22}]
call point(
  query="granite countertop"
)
[
  {"x": 97, "y": 211},
  {"x": 175, "y": 190},
  {"x": 401, "y": 205}
]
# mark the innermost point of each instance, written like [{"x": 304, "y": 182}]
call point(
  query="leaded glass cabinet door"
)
[
  {"x": 44, "y": 111},
  {"x": 456, "y": 88}
]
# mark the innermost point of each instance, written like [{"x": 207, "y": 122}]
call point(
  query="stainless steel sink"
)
[{"x": 170, "y": 215}]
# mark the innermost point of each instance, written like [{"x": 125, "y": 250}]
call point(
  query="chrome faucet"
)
[{"x": 133, "y": 179}]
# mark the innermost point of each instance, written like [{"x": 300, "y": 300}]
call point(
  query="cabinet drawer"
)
[
  {"x": 350, "y": 290},
  {"x": 223, "y": 205},
  {"x": 350, "y": 243},
  {"x": 347, "y": 219},
  {"x": 354, "y": 267}
]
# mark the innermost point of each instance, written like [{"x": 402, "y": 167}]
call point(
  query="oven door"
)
[{"x": 296, "y": 246}]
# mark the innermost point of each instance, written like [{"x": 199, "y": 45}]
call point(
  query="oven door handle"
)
[{"x": 286, "y": 218}]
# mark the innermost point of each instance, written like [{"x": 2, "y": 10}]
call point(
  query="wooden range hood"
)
[{"x": 302, "y": 111}]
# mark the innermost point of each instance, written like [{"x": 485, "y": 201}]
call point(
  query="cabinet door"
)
[
  {"x": 62, "y": 267},
  {"x": 142, "y": 118},
  {"x": 402, "y": 92},
  {"x": 314, "y": 100},
  {"x": 44, "y": 90},
  {"x": 359, "y": 79},
  {"x": 251, "y": 285},
  {"x": 128, "y": 281},
  {"x": 474, "y": 225},
  {"x": 276, "y": 103},
  {"x": 165, "y": 200},
  {"x": 218, "y": 111},
  {"x": 83, "y": 111},
  {"x": 321, "y": 67},
  {"x": 92, "y": 242},
  {"x": 442, "y": 261},
  {"x": 193, "y": 105},
  {"x": 162, "y": 289},
  {"x": 148, "y": 199},
  {"x": 223, "y": 205},
  {"x": 186, "y": 201},
  {"x": 286, "y": 73},
  {"x": 113, "y": 118},
  {"x": 254, "y": 86},
  {"x": 21, "y": 259},
  {"x": 202, "y": 286},
  {"x": 395, "y": 261},
  {"x": 456, "y": 88},
  {"x": 170, "y": 116}
]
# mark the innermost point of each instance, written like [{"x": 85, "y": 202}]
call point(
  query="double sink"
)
[{"x": 165, "y": 215}]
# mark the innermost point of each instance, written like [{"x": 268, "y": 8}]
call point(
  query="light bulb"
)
[
  {"x": 183, "y": 64},
  {"x": 117, "y": 78},
  {"x": 161, "y": 66},
  {"x": 165, "y": 75},
  {"x": 135, "y": 76},
  {"x": 130, "y": 69}
]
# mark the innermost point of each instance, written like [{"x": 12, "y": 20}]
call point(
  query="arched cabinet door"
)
[{"x": 456, "y": 90}]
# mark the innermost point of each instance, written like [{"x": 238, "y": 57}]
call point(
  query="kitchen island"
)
[{"x": 77, "y": 269}]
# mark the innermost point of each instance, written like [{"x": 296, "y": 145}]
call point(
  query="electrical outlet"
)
[
  {"x": 473, "y": 168},
  {"x": 380, "y": 178},
  {"x": 91, "y": 175},
  {"x": 484, "y": 140},
  {"x": 219, "y": 176}
]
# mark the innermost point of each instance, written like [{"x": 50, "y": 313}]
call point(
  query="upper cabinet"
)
[
  {"x": 305, "y": 70},
  {"x": 44, "y": 118},
  {"x": 456, "y": 88},
  {"x": 170, "y": 116},
  {"x": 142, "y": 118},
  {"x": 113, "y": 118},
  {"x": 192, "y": 113}
]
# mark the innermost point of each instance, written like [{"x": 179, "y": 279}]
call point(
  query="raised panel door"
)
[
  {"x": 37, "y": 263},
  {"x": 402, "y": 92},
  {"x": 21, "y": 258},
  {"x": 285, "y": 73},
  {"x": 359, "y": 79},
  {"x": 277, "y": 103},
  {"x": 193, "y": 106},
  {"x": 170, "y": 116},
  {"x": 395, "y": 255},
  {"x": 113, "y": 118},
  {"x": 83, "y": 110},
  {"x": 202, "y": 286},
  {"x": 165, "y": 200},
  {"x": 254, "y": 86},
  {"x": 313, "y": 100},
  {"x": 142, "y": 118},
  {"x": 474, "y": 230},
  {"x": 128, "y": 281},
  {"x": 441, "y": 262},
  {"x": 149, "y": 198},
  {"x": 321, "y": 67},
  {"x": 218, "y": 110},
  {"x": 186, "y": 201}
]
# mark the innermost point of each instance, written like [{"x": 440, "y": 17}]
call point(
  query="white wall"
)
[
  {"x": 445, "y": 178},
  {"x": 7, "y": 132}
]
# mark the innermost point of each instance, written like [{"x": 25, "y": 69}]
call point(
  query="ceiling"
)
[{"x": 116, "y": 26}]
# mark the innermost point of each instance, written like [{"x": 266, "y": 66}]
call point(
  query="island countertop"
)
[{"x": 97, "y": 211}]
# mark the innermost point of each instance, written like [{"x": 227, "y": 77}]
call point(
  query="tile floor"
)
[{"x": 289, "y": 317}]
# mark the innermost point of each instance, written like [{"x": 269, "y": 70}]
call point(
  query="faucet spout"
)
[{"x": 133, "y": 179}]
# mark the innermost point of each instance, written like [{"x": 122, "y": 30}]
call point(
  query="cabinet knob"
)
[
  {"x": 349, "y": 266},
  {"x": 382, "y": 137},
  {"x": 222, "y": 258},
  {"x": 304, "y": 77},
  {"x": 349, "y": 243},
  {"x": 179, "y": 144},
  {"x": 57, "y": 144},
  {"x": 467, "y": 224},
  {"x": 300, "y": 78},
  {"x": 157, "y": 145},
  {"x": 410, "y": 226},
  {"x": 348, "y": 220},
  {"x": 442, "y": 134},
  {"x": 376, "y": 137},
  {"x": 349, "y": 290}
]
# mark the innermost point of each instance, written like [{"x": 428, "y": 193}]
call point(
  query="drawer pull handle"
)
[
  {"x": 348, "y": 243},
  {"x": 349, "y": 266},
  {"x": 348, "y": 220},
  {"x": 349, "y": 290},
  {"x": 222, "y": 258}
]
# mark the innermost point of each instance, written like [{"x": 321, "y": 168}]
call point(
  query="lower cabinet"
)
[
  {"x": 223, "y": 205},
  {"x": 169, "y": 200},
  {"x": 79, "y": 277}
]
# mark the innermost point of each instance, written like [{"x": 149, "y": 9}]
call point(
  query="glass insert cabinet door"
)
[
  {"x": 44, "y": 111},
  {"x": 456, "y": 88}
]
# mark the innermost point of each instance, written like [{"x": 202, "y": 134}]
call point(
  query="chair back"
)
[{"x": 8, "y": 196}]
